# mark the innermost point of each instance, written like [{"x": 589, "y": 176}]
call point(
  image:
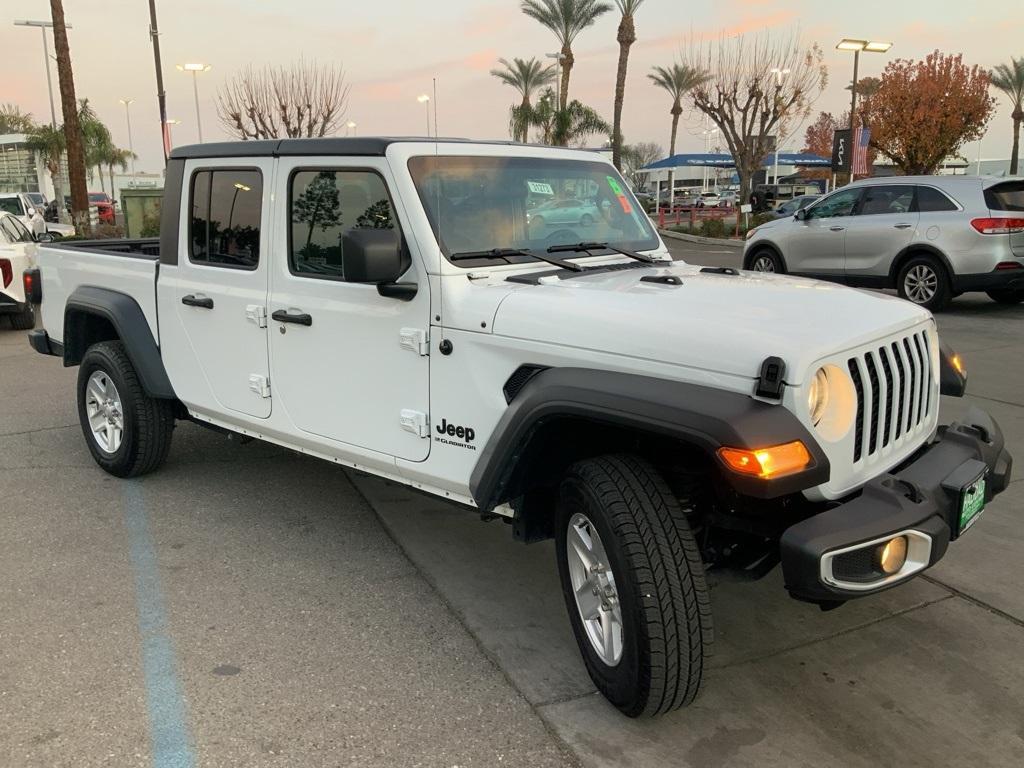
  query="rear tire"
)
[
  {"x": 649, "y": 574},
  {"x": 24, "y": 321},
  {"x": 128, "y": 432},
  {"x": 924, "y": 281},
  {"x": 1007, "y": 295}
]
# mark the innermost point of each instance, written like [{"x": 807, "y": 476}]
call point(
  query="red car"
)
[{"x": 104, "y": 206}]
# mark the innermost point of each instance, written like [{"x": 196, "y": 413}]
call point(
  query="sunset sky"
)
[{"x": 391, "y": 50}]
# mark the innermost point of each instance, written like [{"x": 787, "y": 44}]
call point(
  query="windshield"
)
[
  {"x": 98, "y": 197},
  {"x": 11, "y": 205},
  {"x": 36, "y": 198},
  {"x": 482, "y": 203}
]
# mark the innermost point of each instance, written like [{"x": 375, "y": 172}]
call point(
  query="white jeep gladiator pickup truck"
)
[{"x": 395, "y": 305}]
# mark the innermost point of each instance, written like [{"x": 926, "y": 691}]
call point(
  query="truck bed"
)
[{"x": 127, "y": 266}]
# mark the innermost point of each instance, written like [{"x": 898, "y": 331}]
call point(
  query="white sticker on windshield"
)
[{"x": 540, "y": 187}]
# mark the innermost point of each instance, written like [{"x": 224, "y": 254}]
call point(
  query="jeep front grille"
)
[{"x": 894, "y": 393}]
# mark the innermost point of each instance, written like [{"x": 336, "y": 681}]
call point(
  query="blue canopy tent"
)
[{"x": 721, "y": 160}]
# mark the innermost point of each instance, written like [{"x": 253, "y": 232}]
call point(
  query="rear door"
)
[
  {"x": 817, "y": 244},
  {"x": 885, "y": 223},
  {"x": 212, "y": 303},
  {"x": 355, "y": 370}
]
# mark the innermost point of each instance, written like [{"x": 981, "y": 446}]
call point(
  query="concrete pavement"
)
[{"x": 300, "y": 628}]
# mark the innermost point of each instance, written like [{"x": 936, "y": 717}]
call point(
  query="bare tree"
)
[
  {"x": 635, "y": 157},
  {"x": 302, "y": 100},
  {"x": 756, "y": 82}
]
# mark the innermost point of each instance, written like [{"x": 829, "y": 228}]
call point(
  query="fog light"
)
[{"x": 890, "y": 557}]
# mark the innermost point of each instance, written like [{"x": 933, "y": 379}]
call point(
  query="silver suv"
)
[{"x": 930, "y": 237}]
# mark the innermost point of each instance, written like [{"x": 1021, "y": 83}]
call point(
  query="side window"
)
[
  {"x": 930, "y": 199},
  {"x": 887, "y": 198},
  {"x": 840, "y": 203},
  {"x": 226, "y": 206},
  {"x": 325, "y": 204}
]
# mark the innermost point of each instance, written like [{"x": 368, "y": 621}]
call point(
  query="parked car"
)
[
  {"x": 17, "y": 254},
  {"x": 930, "y": 237},
  {"x": 790, "y": 207},
  {"x": 563, "y": 212},
  {"x": 104, "y": 206},
  {"x": 707, "y": 200},
  {"x": 345, "y": 298},
  {"x": 23, "y": 206},
  {"x": 728, "y": 199}
]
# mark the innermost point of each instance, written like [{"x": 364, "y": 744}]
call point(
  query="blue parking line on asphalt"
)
[{"x": 170, "y": 741}]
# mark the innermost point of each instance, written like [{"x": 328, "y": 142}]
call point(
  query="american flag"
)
[{"x": 861, "y": 138}]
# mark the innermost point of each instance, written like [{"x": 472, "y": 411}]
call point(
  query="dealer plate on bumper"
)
[{"x": 972, "y": 503}]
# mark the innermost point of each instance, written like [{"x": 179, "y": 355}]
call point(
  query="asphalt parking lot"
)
[{"x": 246, "y": 606}]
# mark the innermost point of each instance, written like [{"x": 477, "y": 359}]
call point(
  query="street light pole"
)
[
  {"x": 558, "y": 80},
  {"x": 195, "y": 69},
  {"x": 351, "y": 126},
  {"x": 780, "y": 76},
  {"x": 871, "y": 46},
  {"x": 128, "y": 119},
  {"x": 43, "y": 26},
  {"x": 425, "y": 100}
]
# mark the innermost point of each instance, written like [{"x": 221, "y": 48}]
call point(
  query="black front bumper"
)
[{"x": 918, "y": 497}]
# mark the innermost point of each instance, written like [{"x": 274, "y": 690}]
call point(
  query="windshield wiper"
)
[
  {"x": 601, "y": 246},
  {"x": 504, "y": 253}
]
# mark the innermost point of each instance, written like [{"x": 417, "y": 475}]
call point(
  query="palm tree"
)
[
  {"x": 564, "y": 127},
  {"x": 48, "y": 142},
  {"x": 1009, "y": 78},
  {"x": 626, "y": 36},
  {"x": 13, "y": 120},
  {"x": 526, "y": 77},
  {"x": 566, "y": 18},
  {"x": 120, "y": 158},
  {"x": 96, "y": 139},
  {"x": 72, "y": 134},
  {"x": 677, "y": 80}
]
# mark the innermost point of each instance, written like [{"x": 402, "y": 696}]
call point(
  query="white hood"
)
[{"x": 714, "y": 322}]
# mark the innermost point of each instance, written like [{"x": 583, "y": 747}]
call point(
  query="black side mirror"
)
[
  {"x": 376, "y": 256},
  {"x": 44, "y": 237}
]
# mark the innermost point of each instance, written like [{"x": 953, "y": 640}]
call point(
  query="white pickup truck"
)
[{"x": 392, "y": 305}]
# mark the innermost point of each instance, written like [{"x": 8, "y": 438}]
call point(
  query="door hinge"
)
[
  {"x": 256, "y": 314},
  {"x": 260, "y": 385},
  {"x": 415, "y": 422},
  {"x": 414, "y": 340}
]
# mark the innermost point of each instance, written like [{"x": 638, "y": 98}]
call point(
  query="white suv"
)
[{"x": 930, "y": 237}]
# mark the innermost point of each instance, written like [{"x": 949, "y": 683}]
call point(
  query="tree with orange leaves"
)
[{"x": 924, "y": 111}]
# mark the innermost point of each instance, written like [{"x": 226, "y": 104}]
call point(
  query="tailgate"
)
[{"x": 1006, "y": 198}]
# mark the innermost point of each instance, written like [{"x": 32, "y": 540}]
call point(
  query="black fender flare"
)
[
  {"x": 700, "y": 416},
  {"x": 132, "y": 328}
]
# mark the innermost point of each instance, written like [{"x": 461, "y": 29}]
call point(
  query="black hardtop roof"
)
[{"x": 356, "y": 146}]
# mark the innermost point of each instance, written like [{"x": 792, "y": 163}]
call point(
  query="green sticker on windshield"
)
[{"x": 614, "y": 185}]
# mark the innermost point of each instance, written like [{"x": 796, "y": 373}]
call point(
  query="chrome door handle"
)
[
  {"x": 903, "y": 226},
  {"x": 837, "y": 229}
]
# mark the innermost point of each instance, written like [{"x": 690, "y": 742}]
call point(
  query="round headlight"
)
[{"x": 817, "y": 396}]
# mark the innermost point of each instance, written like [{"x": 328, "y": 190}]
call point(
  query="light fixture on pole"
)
[
  {"x": 708, "y": 133},
  {"x": 195, "y": 69},
  {"x": 558, "y": 57},
  {"x": 350, "y": 128},
  {"x": 780, "y": 77},
  {"x": 167, "y": 127},
  {"x": 425, "y": 100},
  {"x": 128, "y": 119},
  {"x": 43, "y": 26},
  {"x": 871, "y": 46}
]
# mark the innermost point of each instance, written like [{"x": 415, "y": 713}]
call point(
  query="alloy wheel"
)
[
  {"x": 920, "y": 283},
  {"x": 106, "y": 416},
  {"x": 593, "y": 583},
  {"x": 764, "y": 264}
]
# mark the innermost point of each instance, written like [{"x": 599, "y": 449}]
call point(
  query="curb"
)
[{"x": 728, "y": 242}]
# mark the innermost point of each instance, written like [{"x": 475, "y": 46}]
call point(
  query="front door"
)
[
  {"x": 884, "y": 225},
  {"x": 211, "y": 303},
  {"x": 355, "y": 369},
  {"x": 817, "y": 244}
]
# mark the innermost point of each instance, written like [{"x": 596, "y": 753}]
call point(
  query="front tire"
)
[
  {"x": 765, "y": 260},
  {"x": 1006, "y": 295},
  {"x": 633, "y": 581},
  {"x": 924, "y": 281},
  {"x": 128, "y": 432},
  {"x": 24, "y": 320}
]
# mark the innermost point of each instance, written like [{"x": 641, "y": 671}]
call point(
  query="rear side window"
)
[
  {"x": 887, "y": 198},
  {"x": 930, "y": 200},
  {"x": 1008, "y": 196},
  {"x": 325, "y": 204},
  {"x": 226, "y": 206}
]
